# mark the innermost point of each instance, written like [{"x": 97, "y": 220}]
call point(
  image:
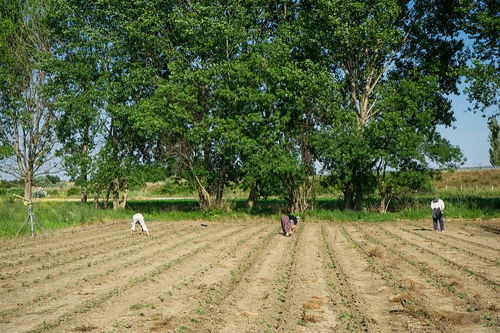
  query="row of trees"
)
[{"x": 264, "y": 93}]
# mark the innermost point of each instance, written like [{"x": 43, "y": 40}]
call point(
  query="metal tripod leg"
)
[{"x": 32, "y": 221}]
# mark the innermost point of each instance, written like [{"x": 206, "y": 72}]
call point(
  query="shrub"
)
[
  {"x": 174, "y": 186},
  {"x": 53, "y": 193},
  {"x": 39, "y": 193},
  {"x": 73, "y": 191}
]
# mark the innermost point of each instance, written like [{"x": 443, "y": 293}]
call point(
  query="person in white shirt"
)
[
  {"x": 437, "y": 206},
  {"x": 139, "y": 219}
]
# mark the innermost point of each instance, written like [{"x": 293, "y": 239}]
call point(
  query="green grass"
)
[
  {"x": 58, "y": 215},
  {"x": 63, "y": 214}
]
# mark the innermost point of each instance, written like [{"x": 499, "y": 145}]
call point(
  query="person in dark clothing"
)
[{"x": 289, "y": 224}]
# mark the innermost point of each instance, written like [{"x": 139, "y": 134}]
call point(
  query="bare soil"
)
[{"x": 248, "y": 277}]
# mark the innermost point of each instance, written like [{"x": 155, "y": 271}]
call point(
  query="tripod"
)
[{"x": 32, "y": 220}]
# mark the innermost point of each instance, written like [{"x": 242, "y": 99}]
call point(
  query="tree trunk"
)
[
  {"x": 298, "y": 205},
  {"x": 108, "y": 192},
  {"x": 85, "y": 153},
  {"x": 382, "y": 206},
  {"x": 28, "y": 188},
  {"x": 203, "y": 196},
  {"x": 358, "y": 198},
  {"x": 298, "y": 198},
  {"x": 348, "y": 197},
  {"x": 220, "y": 184},
  {"x": 253, "y": 196},
  {"x": 382, "y": 189},
  {"x": 116, "y": 195},
  {"x": 84, "y": 197},
  {"x": 123, "y": 203}
]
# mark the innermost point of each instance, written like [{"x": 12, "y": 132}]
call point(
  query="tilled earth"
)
[{"x": 248, "y": 277}]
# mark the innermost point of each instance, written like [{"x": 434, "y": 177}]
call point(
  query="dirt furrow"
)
[
  {"x": 207, "y": 285},
  {"x": 248, "y": 306},
  {"x": 310, "y": 305},
  {"x": 248, "y": 277},
  {"x": 483, "y": 254},
  {"x": 27, "y": 247},
  {"x": 99, "y": 279},
  {"x": 204, "y": 287},
  {"x": 471, "y": 235},
  {"x": 369, "y": 298},
  {"x": 261, "y": 269},
  {"x": 455, "y": 264},
  {"x": 77, "y": 267},
  {"x": 485, "y": 268},
  {"x": 433, "y": 296},
  {"x": 413, "y": 293},
  {"x": 45, "y": 254},
  {"x": 26, "y": 250},
  {"x": 166, "y": 294},
  {"x": 476, "y": 297},
  {"x": 50, "y": 263}
]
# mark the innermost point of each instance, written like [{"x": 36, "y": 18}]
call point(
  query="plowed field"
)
[{"x": 248, "y": 277}]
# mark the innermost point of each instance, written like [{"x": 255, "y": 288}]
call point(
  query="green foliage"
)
[
  {"x": 39, "y": 193},
  {"x": 26, "y": 118},
  {"x": 72, "y": 191},
  {"x": 253, "y": 93},
  {"x": 47, "y": 181},
  {"x": 494, "y": 137},
  {"x": 482, "y": 25},
  {"x": 392, "y": 99},
  {"x": 174, "y": 186},
  {"x": 56, "y": 215}
]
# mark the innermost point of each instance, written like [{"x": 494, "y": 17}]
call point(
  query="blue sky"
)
[{"x": 470, "y": 133}]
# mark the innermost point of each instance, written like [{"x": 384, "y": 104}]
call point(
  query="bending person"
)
[
  {"x": 289, "y": 224},
  {"x": 138, "y": 219}
]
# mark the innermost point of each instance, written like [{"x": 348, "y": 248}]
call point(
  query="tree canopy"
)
[{"x": 262, "y": 93}]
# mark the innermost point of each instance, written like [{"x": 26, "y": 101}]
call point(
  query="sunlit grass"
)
[{"x": 62, "y": 214}]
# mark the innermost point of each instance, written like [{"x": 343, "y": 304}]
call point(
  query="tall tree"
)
[
  {"x": 279, "y": 116},
  {"x": 26, "y": 115},
  {"x": 77, "y": 81},
  {"x": 374, "y": 50},
  {"x": 494, "y": 150},
  {"x": 200, "y": 102},
  {"x": 481, "y": 23},
  {"x": 109, "y": 57}
]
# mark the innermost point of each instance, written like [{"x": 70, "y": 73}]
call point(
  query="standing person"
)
[
  {"x": 437, "y": 206},
  {"x": 289, "y": 224},
  {"x": 139, "y": 219}
]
